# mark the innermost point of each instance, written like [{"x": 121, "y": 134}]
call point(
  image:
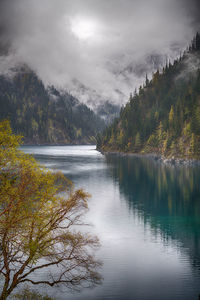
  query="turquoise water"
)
[{"x": 147, "y": 216}]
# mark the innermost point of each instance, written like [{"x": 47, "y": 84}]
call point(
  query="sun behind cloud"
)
[{"x": 84, "y": 28}]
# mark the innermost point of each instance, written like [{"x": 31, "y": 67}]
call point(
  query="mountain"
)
[
  {"x": 104, "y": 108},
  {"x": 108, "y": 111},
  {"x": 164, "y": 115},
  {"x": 45, "y": 115}
]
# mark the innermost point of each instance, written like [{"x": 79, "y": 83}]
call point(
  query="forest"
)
[
  {"x": 45, "y": 115},
  {"x": 163, "y": 116}
]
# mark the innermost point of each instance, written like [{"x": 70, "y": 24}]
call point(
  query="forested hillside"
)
[
  {"x": 108, "y": 111},
  {"x": 45, "y": 116},
  {"x": 163, "y": 117}
]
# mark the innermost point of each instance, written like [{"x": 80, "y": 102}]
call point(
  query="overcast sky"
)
[{"x": 97, "y": 49}]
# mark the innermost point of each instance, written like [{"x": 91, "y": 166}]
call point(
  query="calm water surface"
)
[{"x": 147, "y": 217}]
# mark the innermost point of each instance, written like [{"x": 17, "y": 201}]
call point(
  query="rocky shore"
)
[{"x": 157, "y": 157}]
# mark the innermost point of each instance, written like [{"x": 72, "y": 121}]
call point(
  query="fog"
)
[{"x": 96, "y": 49}]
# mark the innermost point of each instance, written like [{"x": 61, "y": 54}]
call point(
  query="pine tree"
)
[
  {"x": 171, "y": 116},
  {"x": 137, "y": 142}
]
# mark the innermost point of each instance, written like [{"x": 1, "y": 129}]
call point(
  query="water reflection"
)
[
  {"x": 167, "y": 197},
  {"x": 147, "y": 218}
]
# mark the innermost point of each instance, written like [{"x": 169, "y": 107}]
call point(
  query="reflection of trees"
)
[{"x": 167, "y": 197}]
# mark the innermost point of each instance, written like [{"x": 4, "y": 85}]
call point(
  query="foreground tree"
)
[
  {"x": 40, "y": 224},
  {"x": 27, "y": 294}
]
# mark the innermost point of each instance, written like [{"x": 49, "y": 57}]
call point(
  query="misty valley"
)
[{"x": 99, "y": 150}]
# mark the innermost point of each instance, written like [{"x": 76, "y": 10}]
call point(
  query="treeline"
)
[
  {"x": 164, "y": 115},
  {"x": 45, "y": 115}
]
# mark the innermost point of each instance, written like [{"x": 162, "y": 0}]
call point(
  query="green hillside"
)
[
  {"x": 45, "y": 115},
  {"x": 163, "y": 117}
]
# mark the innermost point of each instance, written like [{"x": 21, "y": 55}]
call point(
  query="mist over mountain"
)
[
  {"x": 45, "y": 115},
  {"x": 95, "y": 53},
  {"x": 97, "y": 50},
  {"x": 163, "y": 117}
]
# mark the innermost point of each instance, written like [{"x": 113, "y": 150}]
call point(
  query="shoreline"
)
[
  {"x": 57, "y": 144},
  {"x": 156, "y": 157}
]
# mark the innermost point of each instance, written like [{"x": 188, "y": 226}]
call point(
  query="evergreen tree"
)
[{"x": 164, "y": 113}]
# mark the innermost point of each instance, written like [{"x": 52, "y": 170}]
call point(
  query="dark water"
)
[{"x": 147, "y": 217}]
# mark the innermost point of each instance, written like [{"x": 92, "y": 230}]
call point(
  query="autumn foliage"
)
[{"x": 40, "y": 224}]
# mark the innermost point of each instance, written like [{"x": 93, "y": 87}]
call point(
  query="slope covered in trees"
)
[
  {"x": 45, "y": 115},
  {"x": 164, "y": 116}
]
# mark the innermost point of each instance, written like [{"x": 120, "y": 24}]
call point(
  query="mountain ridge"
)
[
  {"x": 45, "y": 115},
  {"x": 163, "y": 117}
]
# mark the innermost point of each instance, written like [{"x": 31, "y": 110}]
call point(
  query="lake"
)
[{"x": 147, "y": 217}]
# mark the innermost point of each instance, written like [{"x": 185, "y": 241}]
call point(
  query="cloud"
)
[
  {"x": 191, "y": 64},
  {"x": 120, "y": 41}
]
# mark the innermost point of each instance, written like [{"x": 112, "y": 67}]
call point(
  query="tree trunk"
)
[{"x": 4, "y": 295}]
